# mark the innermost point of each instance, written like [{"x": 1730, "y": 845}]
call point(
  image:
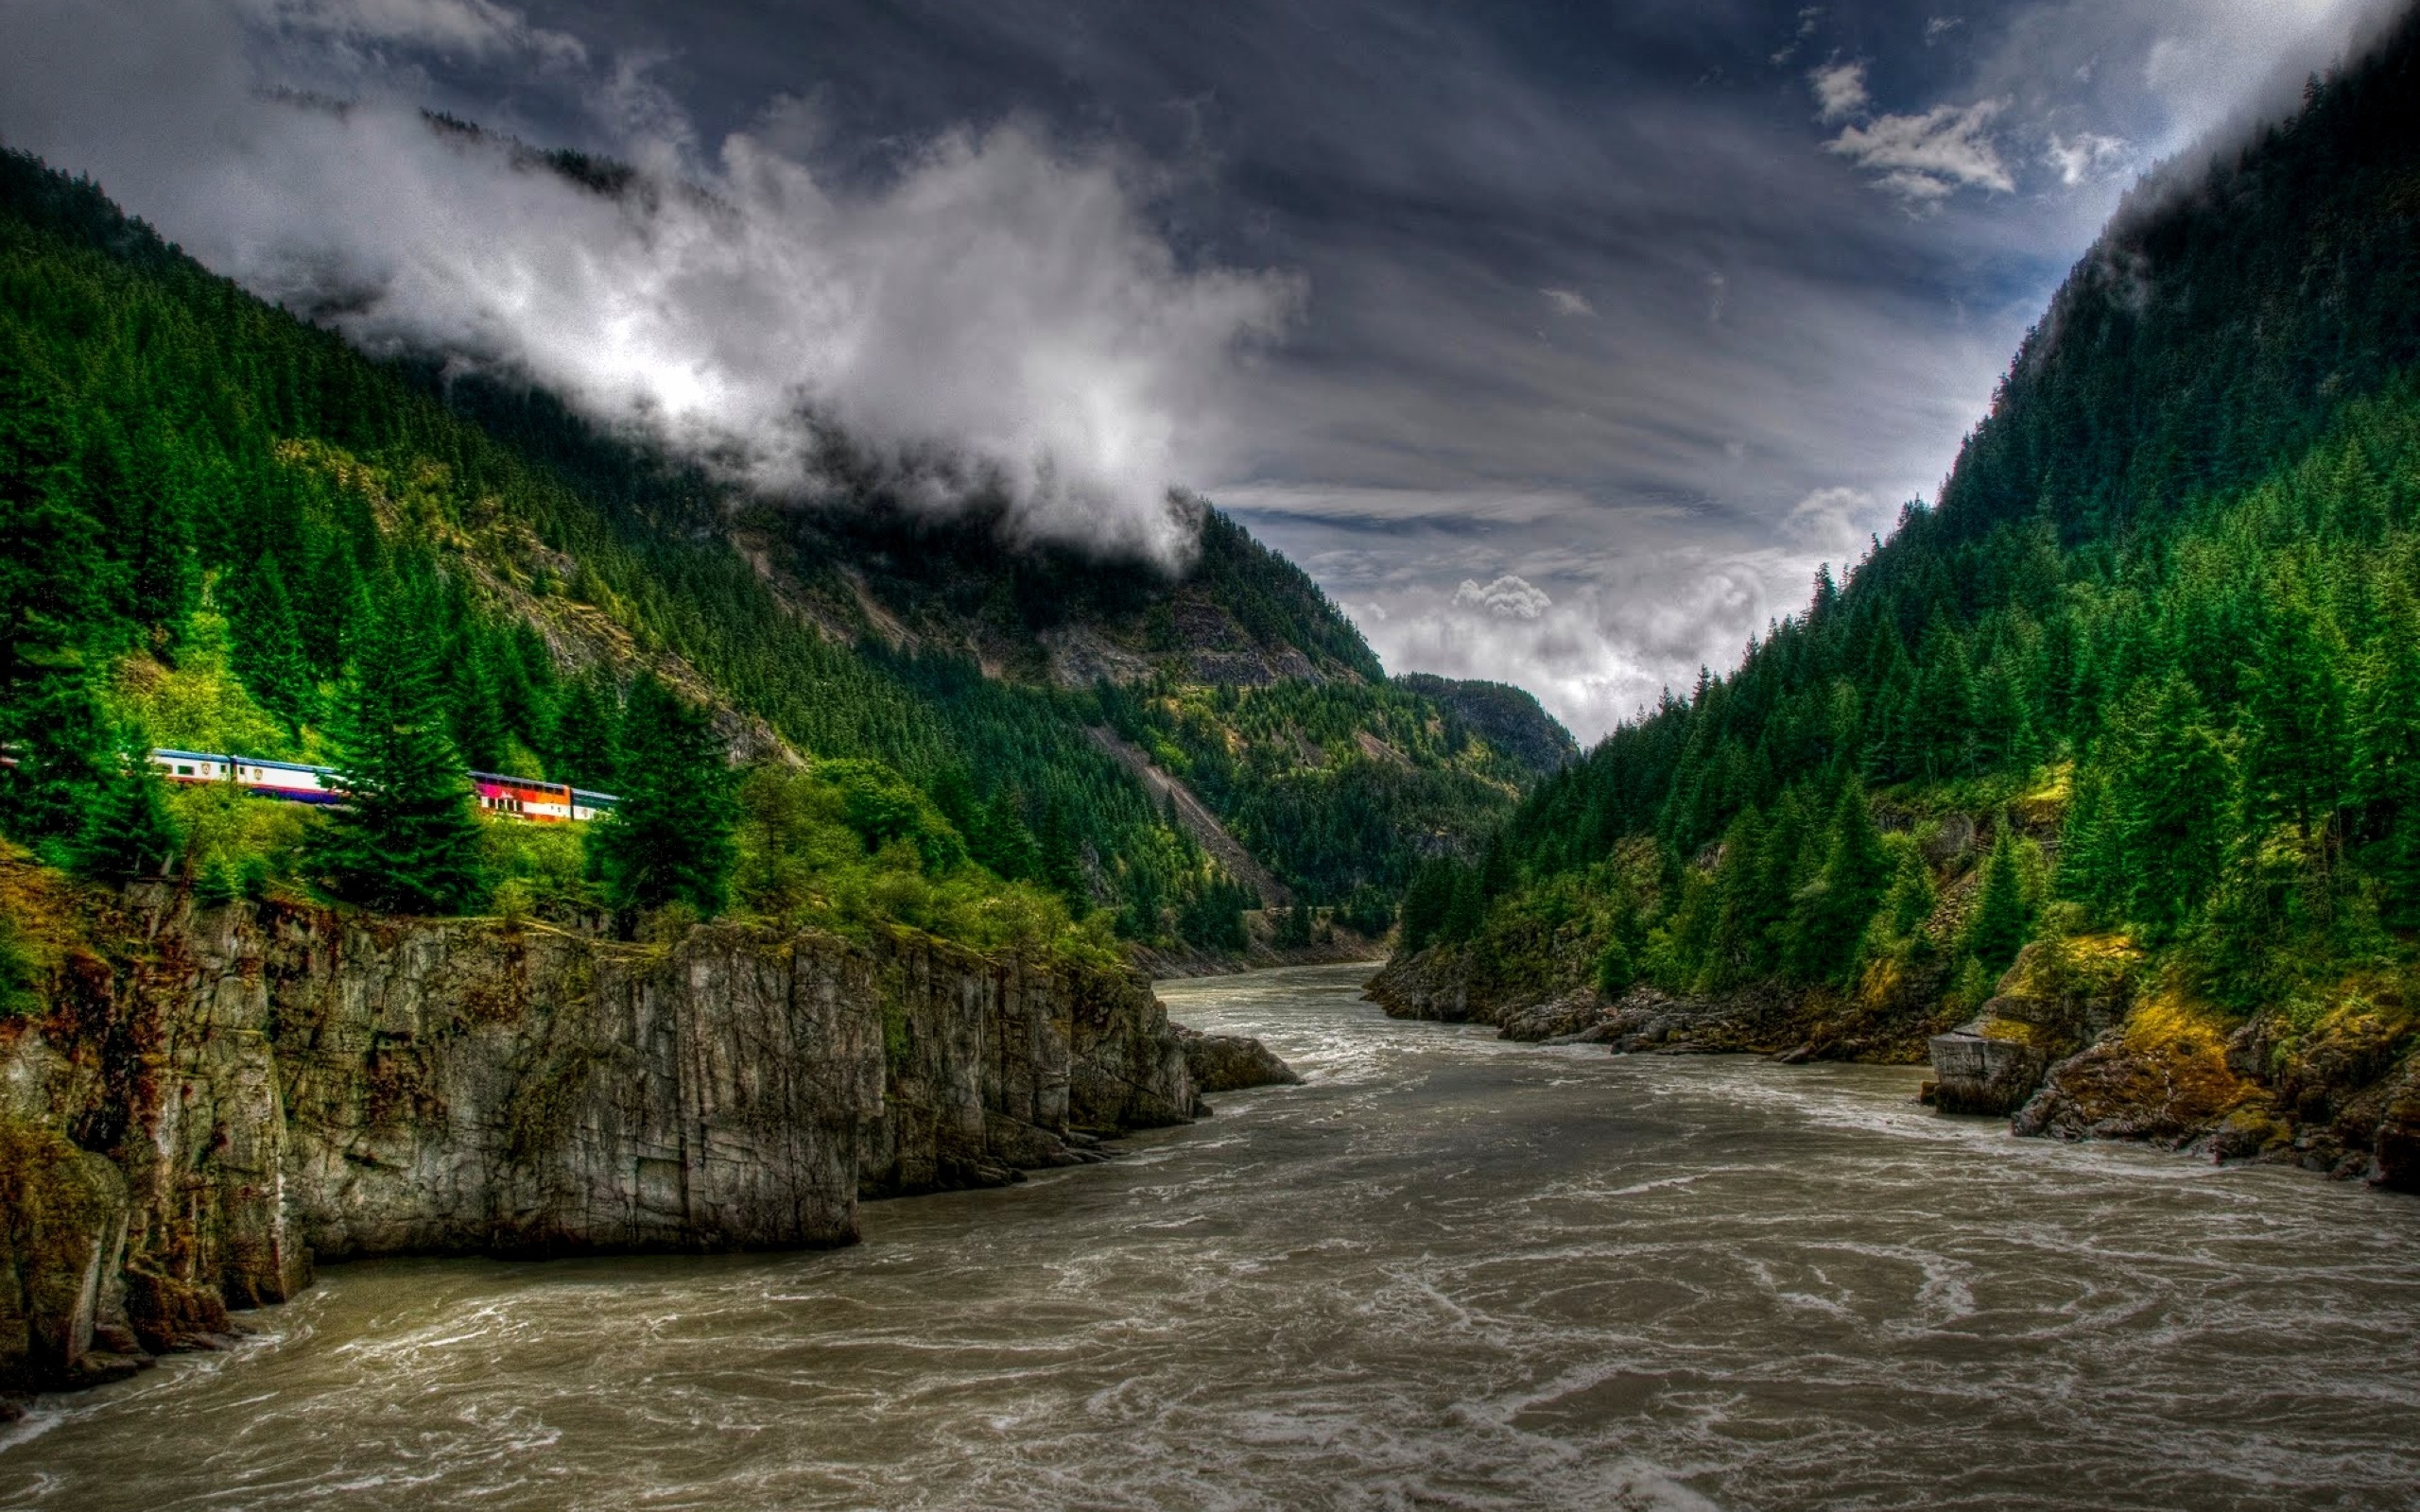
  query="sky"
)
[{"x": 1560, "y": 342}]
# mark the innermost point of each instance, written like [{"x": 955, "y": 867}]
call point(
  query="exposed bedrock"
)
[
  {"x": 1231, "y": 1062},
  {"x": 2059, "y": 996},
  {"x": 216, "y": 1097}
]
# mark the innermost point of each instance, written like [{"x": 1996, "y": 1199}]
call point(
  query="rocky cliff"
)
[
  {"x": 2080, "y": 1040},
  {"x": 206, "y": 1100}
]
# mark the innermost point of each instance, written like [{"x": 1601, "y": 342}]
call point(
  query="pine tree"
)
[
  {"x": 2001, "y": 919},
  {"x": 1425, "y": 903},
  {"x": 1940, "y": 718},
  {"x": 1829, "y": 916},
  {"x": 2091, "y": 870},
  {"x": 51, "y": 595},
  {"x": 1001, "y": 839},
  {"x": 1911, "y": 898},
  {"x": 2295, "y": 762},
  {"x": 669, "y": 836},
  {"x": 160, "y": 579},
  {"x": 2003, "y": 733},
  {"x": 579, "y": 749},
  {"x": 1734, "y": 937},
  {"x": 2386, "y": 766},
  {"x": 406, "y": 838},
  {"x": 2169, "y": 794},
  {"x": 268, "y": 646},
  {"x": 1465, "y": 910},
  {"x": 128, "y": 831},
  {"x": 477, "y": 713}
]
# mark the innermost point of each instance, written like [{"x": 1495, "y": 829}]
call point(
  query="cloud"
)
[
  {"x": 474, "y": 28},
  {"x": 1595, "y": 636},
  {"x": 2087, "y": 157},
  {"x": 1833, "y": 522},
  {"x": 1566, "y": 303},
  {"x": 1840, "y": 91},
  {"x": 1940, "y": 26},
  {"x": 1931, "y": 156},
  {"x": 1807, "y": 17},
  {"x": 997, "y": 320},
  {"x": 1507, "y": 598}
]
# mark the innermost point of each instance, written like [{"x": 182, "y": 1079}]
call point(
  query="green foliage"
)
[
  {"x": 1828, "y": 916},
  {"x": 128, "y": 830},
  {"x": 406, "y": 838},
  {"x": 2001, "y": 919},
  {"x": 539, "y": 870},
  {"x": 268, "y": 653},
  {"x": 22, "y": 971},
  {"x": 2170, "y": 581},
  {"x": 802, "y": 862},
  {"x": 1292, "y": 928},
  {"x": 669, "y": 837},
  {"x": 1339, "y": 787},
  {"x": 198, "y": 703},
  {"x": 1425, "y": 903}
]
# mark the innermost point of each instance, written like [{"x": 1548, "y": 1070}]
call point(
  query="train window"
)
[{"x": 185, "y": 771}]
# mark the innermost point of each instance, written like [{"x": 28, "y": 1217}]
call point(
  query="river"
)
[{"x": 1446, "y": 1272}]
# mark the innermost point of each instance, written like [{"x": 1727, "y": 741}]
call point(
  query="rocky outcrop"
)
[
  {"x": 1887, "y": 1019},
  {"x": 214, "y": 1098},
  {"x": 2331, "y": 1086},
  {"x": 1982, "y": 1068},
  {"x": 2060, "y": 995},
  {"x": 1231, "y": 1062}
]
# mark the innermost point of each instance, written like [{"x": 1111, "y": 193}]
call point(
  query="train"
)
[{"x": 509, "y": 797}]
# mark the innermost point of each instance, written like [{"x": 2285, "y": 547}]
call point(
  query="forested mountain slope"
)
[
  {"x": 2142, "y": 688},
  {"x": 223, "y": 524}
]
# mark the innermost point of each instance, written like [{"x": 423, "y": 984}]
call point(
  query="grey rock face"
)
[
  {"x": 278, "y": 1083},
  {"x": 1979, "y": 1073}
]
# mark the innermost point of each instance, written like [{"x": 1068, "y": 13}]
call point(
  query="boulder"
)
[
  {"x": 1981, "y": 1067},
  {"x": 1230, "y": 1062}
]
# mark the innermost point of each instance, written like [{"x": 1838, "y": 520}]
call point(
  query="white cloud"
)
[
  {"x": 1834, "y": 521},
  {"x": 2087, "y": 157},
  {"x": 1840, "y": 91},
  {"x": 1940, "y": 26},
  {"x": 1568, "y": 304},
  {"x": 1929, "y": 157},
  {"x": 1507, "y": 598},
  {"x": 999, "y": 320}
]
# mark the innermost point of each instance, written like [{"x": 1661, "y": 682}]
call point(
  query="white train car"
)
[{"x": 289, "y": 780}]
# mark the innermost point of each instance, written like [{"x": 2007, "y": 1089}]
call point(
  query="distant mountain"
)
[{"x": 1509, "y": 718}]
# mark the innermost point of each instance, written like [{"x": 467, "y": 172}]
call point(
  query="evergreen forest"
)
[
  {"x": 227, "y": 531},
  {"x": 2149, "y": 669}
]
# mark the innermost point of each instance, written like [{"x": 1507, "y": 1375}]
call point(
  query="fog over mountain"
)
[{"x": 1561, "y": 349}]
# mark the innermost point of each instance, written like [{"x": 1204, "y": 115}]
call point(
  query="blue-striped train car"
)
[{"x": 511, "y": 797}]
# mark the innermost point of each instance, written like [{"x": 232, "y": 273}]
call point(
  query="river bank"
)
[
  {"x": 1446, "y": 1270},
  {"x": 2078, "y": 1041}
]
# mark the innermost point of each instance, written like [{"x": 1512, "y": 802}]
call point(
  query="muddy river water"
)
[{"x": 1446, "y": 1272}]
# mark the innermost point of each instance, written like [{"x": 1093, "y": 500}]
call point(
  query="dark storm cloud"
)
[{"x": 1561, "y": 343}]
